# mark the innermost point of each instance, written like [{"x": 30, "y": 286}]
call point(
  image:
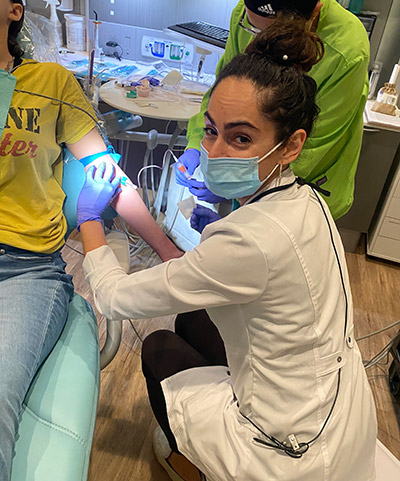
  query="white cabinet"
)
[
  {"x": 384, "y": 236},
  {"x": 377, "y": 156}
]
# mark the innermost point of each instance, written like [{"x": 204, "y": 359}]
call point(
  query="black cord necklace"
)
[
  {"x": 291, "y": 446},
  {"x": 10, "y": 64},
  {"x": 298, "y": 180}
]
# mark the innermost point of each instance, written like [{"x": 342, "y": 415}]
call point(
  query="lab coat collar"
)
[{"x": 286, "y": 178}]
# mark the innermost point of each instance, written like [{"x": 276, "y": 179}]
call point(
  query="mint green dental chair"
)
[{"x": 57, "y": 422}]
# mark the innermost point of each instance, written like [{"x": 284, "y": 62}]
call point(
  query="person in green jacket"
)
[{"x": 331, "y": 153}]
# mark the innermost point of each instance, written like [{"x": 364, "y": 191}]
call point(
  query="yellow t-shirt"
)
[{"x": 31, "y": 167}]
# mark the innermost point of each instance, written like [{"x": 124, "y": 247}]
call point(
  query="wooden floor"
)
[{"x": 122, "y": 447}]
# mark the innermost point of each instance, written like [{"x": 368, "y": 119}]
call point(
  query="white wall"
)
[
  {"x": 382, "y": 7},
  {"x": 389, "y": 48},
  {"x": 39, "y": 6},
  {"x": 158, "y": 14}
]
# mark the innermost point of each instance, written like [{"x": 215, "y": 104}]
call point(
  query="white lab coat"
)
[{"x": 268, "y": 277}]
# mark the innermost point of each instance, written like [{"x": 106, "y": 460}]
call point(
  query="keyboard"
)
[{"x": 203, "y": 31}]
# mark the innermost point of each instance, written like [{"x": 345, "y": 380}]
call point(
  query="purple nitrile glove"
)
[
  {"x": 190, "y": 159},
  {"x": 100, "y": 188},
  {"x": 201, "y": 217},
  {"x": 200, "y": 190},
  {"x": 152, "y": 80}
]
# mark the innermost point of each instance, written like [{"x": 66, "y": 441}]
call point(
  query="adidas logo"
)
[{"x": 267, "y": 9}]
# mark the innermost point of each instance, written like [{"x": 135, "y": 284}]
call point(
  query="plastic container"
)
[
  {"x": 142, "y": 91},
  {"x": 374, "y": 78},
  {"x": 58, "y": 37},
  {"x": 75, "y": 26}
]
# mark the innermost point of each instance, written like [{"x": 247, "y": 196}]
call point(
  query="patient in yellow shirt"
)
[{"x": 34, "y": 288}]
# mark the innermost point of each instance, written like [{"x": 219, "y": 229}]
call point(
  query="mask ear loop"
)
[{"x": 280, "y": 174}]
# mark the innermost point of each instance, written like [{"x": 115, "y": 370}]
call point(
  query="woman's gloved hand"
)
[
  {"x": 201, "y": 217},
  {"x": 199, "y": 190},
  {"x": 190, "y": 159},
  {"x": 100, "y": 188}
]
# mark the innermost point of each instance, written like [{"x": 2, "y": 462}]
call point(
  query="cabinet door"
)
[{"x": 378, "y": 150}]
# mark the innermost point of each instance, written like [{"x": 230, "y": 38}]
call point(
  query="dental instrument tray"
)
[{"x": 203, "y": 31}]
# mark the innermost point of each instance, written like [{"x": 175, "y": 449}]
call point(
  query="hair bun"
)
[{"x": 288, "y": 41}]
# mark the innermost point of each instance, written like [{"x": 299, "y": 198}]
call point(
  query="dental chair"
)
[{"x": 58, "y": 417}]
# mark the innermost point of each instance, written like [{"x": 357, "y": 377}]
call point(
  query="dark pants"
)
[{"x": 196, "y": 342}]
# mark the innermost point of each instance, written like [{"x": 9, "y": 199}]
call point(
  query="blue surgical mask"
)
[
  {"x": 232, "y": 177},
  {"x": 7, "y": 86}
]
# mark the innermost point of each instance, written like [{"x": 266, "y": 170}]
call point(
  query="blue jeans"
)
[{"x": 34, "y": 295}]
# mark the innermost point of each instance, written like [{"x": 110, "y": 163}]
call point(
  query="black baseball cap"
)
[{"x": 272, "y": 7}]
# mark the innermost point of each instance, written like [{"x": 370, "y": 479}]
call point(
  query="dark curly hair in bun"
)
[
  {"x": 276, "y": 62},
  {"x": 13, "y": 31}
]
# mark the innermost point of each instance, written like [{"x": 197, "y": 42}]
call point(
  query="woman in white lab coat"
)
[{"x": 277, "y": 390}]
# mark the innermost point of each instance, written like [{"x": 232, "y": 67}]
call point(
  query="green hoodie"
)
[{"x": 333, "y": 149}]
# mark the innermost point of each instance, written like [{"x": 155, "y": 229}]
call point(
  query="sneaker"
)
[{"x": 162, "y": 451}]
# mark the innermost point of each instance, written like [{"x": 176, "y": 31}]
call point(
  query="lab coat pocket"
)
[
  {"x": 202, "y": 411},
  {"x": 328, "y": 364},
  {"x": 193, "y": 390}
]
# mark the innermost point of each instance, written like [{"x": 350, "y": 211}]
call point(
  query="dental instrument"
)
[
  {"x": 203, "y": 52},
  {"x": 181, "y": 167},
  {"x": 99, "y": 54}
]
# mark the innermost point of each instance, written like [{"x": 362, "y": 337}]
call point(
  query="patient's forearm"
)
[
  {"x": 128, "y": 204},
  {"x": 131, "y": 208}
]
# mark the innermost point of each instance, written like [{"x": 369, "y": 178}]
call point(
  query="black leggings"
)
[{"x": 196, "y": 342}]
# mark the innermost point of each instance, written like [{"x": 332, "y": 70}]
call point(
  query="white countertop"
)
[{"x": 382, "y": 121}]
